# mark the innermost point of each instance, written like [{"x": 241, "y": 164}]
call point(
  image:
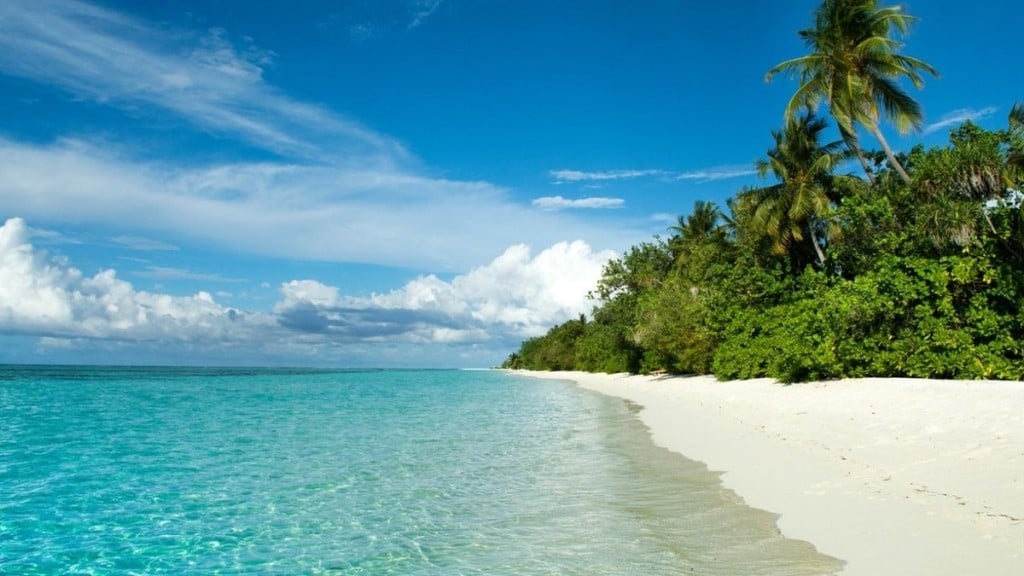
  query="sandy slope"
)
[{"x": 893, "y": 476}]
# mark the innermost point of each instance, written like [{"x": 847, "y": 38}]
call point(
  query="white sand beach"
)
[{"x": 892, "y": 476}]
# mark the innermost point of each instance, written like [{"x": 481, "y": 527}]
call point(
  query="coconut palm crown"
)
[
  {"x": 806, "y": 188},
  {"x": 855, "y": 68}
]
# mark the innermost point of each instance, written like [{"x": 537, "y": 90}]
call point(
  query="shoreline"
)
[{"x": 889, "y": 475}]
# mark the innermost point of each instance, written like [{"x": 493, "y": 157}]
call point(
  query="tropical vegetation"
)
[{"x": 912, "y": 266}]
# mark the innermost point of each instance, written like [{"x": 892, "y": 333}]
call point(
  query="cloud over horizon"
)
[
  {"x": 516, "y": 295},
  {"x": 47, "y": 297}
]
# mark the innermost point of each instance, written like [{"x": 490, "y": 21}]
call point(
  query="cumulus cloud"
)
[
  {"x": 303, "y": 293},
  {"x": 527, "y": 293},
  {"x": 561, "y": 203},
  {"x": 957, "y": 117},
  {"x": 334, "y": 191},
  {"x": 48, "y": 297},
  {"x": 516, "y": 295}
]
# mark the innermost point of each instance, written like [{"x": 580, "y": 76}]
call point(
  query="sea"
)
[{"x": 207, "y": 471}]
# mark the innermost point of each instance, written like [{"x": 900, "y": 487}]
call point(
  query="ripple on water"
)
[{"x": 165, "y": 471}]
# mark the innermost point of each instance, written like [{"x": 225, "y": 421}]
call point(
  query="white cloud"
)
[
  {"x": 108, "y": 57},
  {"x": 717, "y": 173},
  {"x": 347, "y": 193},
  {"x": 665, "y": 217},
  {"x": 423, "y": 9},
  {"x": 47, "y": 297},
  {"x": 560, "y": 203},
  {"x": 52, "y": 236},
  {"x": 341, "y": 193},
  {"x": 705, "y": 174},
  {"x": 217, "y": 53},
  {"x": 341, "y": 213},
  {"x": 298, "y": 293},
  {"x": 144, "y": 244},
  {"x": 171, "y": 273},
  {"x": 515, "y": 289},
  {"x": 514, "y": 296},
  {"x": 580, "y": 176},
  {"x": 957, "y": 117}
]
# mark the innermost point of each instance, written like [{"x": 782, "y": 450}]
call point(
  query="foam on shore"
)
[{"x": 893, "y": 476}]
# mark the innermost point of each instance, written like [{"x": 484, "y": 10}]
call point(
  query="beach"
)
[{"x": 892, "y": 476}]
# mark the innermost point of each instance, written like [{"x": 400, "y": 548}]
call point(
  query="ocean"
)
[{"x": 190, "y": 471}]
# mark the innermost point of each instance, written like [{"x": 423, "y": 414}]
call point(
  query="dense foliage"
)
[{"x": 913, "y": 268}]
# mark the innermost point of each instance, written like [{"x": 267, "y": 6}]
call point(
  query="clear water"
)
[{"x": 173, "y": 471}]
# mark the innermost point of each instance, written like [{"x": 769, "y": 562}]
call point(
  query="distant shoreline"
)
[{"x": 892, "y": 476}]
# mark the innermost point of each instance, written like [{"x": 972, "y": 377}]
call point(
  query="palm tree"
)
[
  {"x": 806, "y": 187},
  {"x": 700, "y": 227},
  {"x": 702, "y": 223},
  {"x": 855, "y": 67}
]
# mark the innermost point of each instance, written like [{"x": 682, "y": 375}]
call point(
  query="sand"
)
[{"x": 892, "y": 476}]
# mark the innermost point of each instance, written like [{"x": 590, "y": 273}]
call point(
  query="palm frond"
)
[
  {"x": 911, "y": 63},
  {"x": 899, "y": 107},
  {"x": 793, "y": 68}
]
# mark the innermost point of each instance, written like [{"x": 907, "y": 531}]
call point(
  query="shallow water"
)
[{"x": 186, "y": 471}]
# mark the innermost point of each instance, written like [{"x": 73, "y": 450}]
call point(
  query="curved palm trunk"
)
[
  {"x": 851, "y": 142},
  {"x": 863, "y": 161},
  {"x": 817, "y": 245},
  {"x": 864, "y": 164},
  {"x": 889, "y": 153}
]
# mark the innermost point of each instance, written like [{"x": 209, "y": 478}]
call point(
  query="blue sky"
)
[{"x": 385, "y": 182}]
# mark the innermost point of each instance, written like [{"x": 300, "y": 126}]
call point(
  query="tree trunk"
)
[
  {"x": 864, "y": 165},
  {"x": 889, "y": 154},
  {"x": 817, "y": 246},
  {"x": 852, "y": 144}
]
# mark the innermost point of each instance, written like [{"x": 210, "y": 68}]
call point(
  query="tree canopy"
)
[{"x": 914, "y": 267}]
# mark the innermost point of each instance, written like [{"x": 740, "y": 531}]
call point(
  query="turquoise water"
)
[{"x": 183, "y": 471}]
